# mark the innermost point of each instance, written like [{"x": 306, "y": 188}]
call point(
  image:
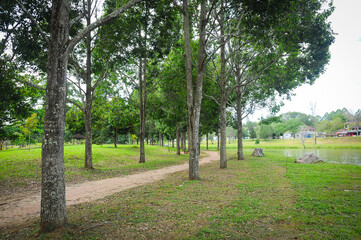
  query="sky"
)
[{"x": 340, "y": 85}]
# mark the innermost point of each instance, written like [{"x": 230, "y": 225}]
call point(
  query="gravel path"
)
[{"x": 21, "y": 210}]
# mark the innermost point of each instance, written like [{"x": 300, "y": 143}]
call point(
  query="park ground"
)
[{"x": 257, "y": 198}]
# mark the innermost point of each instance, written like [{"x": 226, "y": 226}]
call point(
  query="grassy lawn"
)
[
  {"x": 22, "y": 168},
  {"x": 258, "y": 198},
  {"x": 341, "y": 142}
]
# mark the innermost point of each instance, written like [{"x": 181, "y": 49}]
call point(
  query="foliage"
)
[
  {"x": 114, "y": 116},
  {"x": 75, "y": 121},
  {"x": 265, "y": 131},
  {"x": 13, "y": 100},
  {"x": 331, "y": 126}
]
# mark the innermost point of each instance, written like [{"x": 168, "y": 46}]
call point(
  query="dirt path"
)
[{"x": 29, "y": 207}]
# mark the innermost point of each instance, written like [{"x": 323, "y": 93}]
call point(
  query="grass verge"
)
[
  {"x": 258, "y": 198},
  {"x": 21, "y": 169},
  {"x": 341, "y": 142}
]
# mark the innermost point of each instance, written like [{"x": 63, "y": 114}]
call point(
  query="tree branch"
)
[
  {"x": 43, "y": 34},
  {"x": 99, "y": 23},
  {"x": 77, "y": 85},
  {"x": 30, "y": 84},
  {"x": 212, "y": 97},
  {"x": 76, "y": 104},
  {"x": 76, "y": 66}
]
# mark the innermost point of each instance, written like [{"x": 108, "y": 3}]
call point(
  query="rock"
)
[
  {"x": 309, "y": 158},
  {"x": 258, "y": 152}
]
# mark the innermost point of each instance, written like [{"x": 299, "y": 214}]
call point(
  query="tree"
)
[
  {"x": 148, "y": 31},
  {"x": 75, "y": 122},
  {"x": 331, "y": 126},
  {"x": 89, "y": 75},
  {"x": 173, "y": 94},
  {"x": 13, "y": 99},
  {"x": 53, "y": 206},
  {"x": 293, "y": 125},
  {"x": 280, "y": 53},
  {"x": 314, "y": 119},
  {"x": 265, "y": 131},
  {"x": 30, "y": 124},
  {"x": 194, "y": 95}
]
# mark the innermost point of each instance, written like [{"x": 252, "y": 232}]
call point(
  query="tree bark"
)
[
  {"x": 185, "y": 141},
  {"x": 88, "y": 98},
  {"x": 181, "y": 141},
  {"x": 207, "y": 141},
  {"x": 223, "y": 142},
  {"x": 194, "y": 102},
  {"x": 53, "y": 204},
  {"x": 239, "y": 124},
  {"x": 223, "y": 103},
  {"x": 115, "y": 138},
  {"x": 142, "y": 111},
  {"x": 178, "y": 138},
  {"x": 160, "y": 139}
]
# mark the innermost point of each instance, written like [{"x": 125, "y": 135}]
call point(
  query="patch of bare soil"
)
[{"x": 27, "y": 206}]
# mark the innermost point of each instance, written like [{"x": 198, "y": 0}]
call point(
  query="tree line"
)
[
  {"x": 294, "y": 122},
  {"x": 151, "y": 68}
]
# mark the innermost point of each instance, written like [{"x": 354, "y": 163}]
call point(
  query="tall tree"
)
[
  {"x": 53, "y": 206},
  {"x": 149, "y": 31},
  {"x": 89, "y": 76},
  {"x": 284, "y": 53},
  {"x": 194, "y": 94}
]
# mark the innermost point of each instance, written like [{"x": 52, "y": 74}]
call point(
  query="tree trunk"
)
[
  {"x": 115, "y": 138},
  {"x": 223, "y": 142},
  {"x": 217, "y": 139},
  {"x": 194, "y": 102},
  {"x": 160, "y": 139},
  {"x": 88, "y": 132},
  {"x": 181, "y": 141},
  {"x": 88, "y": 98},
  {"x": 223, "y": 103},
  {"x": 239, "y": 124},
  {"x": 207, "y": 141},
  {"x": 142, "y": 112},
  {"x": 199, "y": 144},
  {"x": 185, "y": 141},
  {"x": 53, "y": 203},
  {"x": 178, "y": 138}
]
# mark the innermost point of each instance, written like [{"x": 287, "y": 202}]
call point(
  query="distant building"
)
[
  {"x": 307, "y": 132},
  {"x": 341, "y": 132},
  {"x": 351, "y": 129},
  {"x": 287, "y": 135}
]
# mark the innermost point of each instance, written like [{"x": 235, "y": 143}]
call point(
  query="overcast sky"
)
[{"x": 340, "y": 85}]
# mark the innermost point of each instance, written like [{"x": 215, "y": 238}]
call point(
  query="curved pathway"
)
[{"x": 29, "y": 207}]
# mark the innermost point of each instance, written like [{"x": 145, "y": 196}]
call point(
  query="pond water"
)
[{"x": 341, "y": 156}]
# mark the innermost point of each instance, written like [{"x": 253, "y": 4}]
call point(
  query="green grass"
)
[
  {"x": 342, "y": 142},
  {"x": 22, "y": 168},
  {"x": 258, "y": 198}
]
